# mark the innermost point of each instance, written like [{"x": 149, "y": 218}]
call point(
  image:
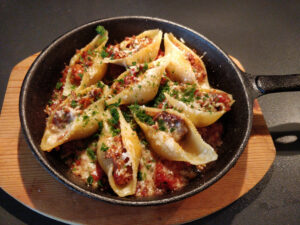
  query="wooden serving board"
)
[{"x": 25, "y": 179}]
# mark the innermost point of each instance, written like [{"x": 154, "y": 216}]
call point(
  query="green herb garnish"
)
[
  {"x": 115, "y": 116},
  {"x": 90, "y": 180},
  {"x": 104, "y": 54},
  {"x": 100, "y": 183},
  {"x": 73, "y": 103},
  {"x": 104, "y": 148},
  {"x": 141, "y": 114},
  {"x": 121, "y": 81},
  {"x": 148, "y": 166},
  {"x": 139, "y": 176},
  {"x": 115, "y": 131},
  {"x": 145, "y": 67},
  {"x": 188, "y": 94},
  {"x": 58, "y": 85},
  {"x": 91, "y": 154},
  {"x": 90, "y": 52},
  {"x": 117, "y": 104},
  {"x": 100, "y": 84},
  {"x": 160, "y": 97},
  {"x": 100, "y": 127},
  {"x": 100, "y": 30},
  {"x": 161, "y": 125}
]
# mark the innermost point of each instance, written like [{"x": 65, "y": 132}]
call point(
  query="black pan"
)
[{"x": 222, "y": 73}]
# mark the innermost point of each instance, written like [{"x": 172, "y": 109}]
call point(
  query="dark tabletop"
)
[{"x": 263, "y": 35}]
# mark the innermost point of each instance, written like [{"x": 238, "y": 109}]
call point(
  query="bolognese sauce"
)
[{"x": 130, "y": 46}]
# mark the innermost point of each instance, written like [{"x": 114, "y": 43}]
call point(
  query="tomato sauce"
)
[{"x": 122, "y": 167}]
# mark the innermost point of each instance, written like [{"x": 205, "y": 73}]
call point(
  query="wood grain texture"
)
[{"x": 23, "y": 177}]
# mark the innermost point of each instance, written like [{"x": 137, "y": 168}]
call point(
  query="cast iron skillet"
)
[{"x": 42, "y": 76}]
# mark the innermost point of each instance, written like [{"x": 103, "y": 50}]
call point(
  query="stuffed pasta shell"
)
[
  {"x": 185, "y": 65},
  {"x": 119, "y": 152},
  {"x": 75, "y": 118},
  {"x": 139, "y": 83},
  {"x": 86, "y": 66},
  {"x": 202, "y": 106},
  {"x": 172, "y": 136},
  {"x": 139, "y": 49}
]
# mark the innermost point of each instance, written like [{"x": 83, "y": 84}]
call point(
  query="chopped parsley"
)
[
  {"x": 104, "y": 148},
  {"x": 174, "y": 93},
  {"x": 73, "y": 103},
  {"x": 89, "y": 52},
  {"x": 100, "y": 30},
  {"x": 115, "y": 116},
  {"x": 188, "y": 94},
  {"x": 80, "y": 58},
  {"x": 91, "y": 154},
  {"x": 141, "y": 114},
  {"x": 100, "y": 127},
  {"x": 145, "y": 67},
  {"x": 100, "y": 183},
  {"x": 127, "y": 115},
  {"x": 133, "y": 63},
  {"x": 161, "y": 125},
  {"x": 85, "y": 118},
  {"x": 80, "y": 75},
  {"x": 104, "y": 54},
  {"x": 160, "y": 97},
  {"x": 58, "y": 85},
  {"x": 114, "y": 121},
  {"x": 148, "y": 166},
  {"x": 139, "y": 176},
  {"x": 144, "y": 142},
  {"x": 117, "y": 104},
  {"x": 115, "y": 131},
  {"x": 90, "y": 180},
  {"x": 100, "y": 84},
  {"x": 121, "y": 81}
]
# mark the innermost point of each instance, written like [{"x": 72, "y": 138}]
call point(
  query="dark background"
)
[{"x": 263, "y": 35}]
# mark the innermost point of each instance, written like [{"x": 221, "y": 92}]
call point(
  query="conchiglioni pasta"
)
[
  {"x": 172, "y": 136},
  {"x": 185, "y": 65},
  {"x": 75, "y": 118},
  {"x": 86, "y": 66},
  {"x": 202, "y": 106},
  {"x": 119, "y": 152},
  {"x": 139, "y": 49},
  {"x": 139, "y": 83},
  {"x": 121, "y": 144}
]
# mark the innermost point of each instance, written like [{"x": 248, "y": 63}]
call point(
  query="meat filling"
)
[
  {"x": 129, "y": 46},
  {"x": 62, "y": 117},
  {"x": 122, "y": 168},
  {"x": 172, "y": 124}
]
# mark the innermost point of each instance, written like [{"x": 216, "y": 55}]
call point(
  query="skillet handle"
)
[{"x": 265, "y": 84}]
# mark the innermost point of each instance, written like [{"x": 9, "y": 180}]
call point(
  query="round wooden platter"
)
[{"x": 23, "y": 177}]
